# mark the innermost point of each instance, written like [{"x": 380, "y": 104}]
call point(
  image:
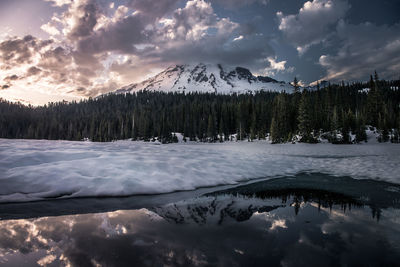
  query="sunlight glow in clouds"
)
[{"x": 89, "y": 47}]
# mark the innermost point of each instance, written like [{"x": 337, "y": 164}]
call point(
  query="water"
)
[{"x": 289, "y": 221}]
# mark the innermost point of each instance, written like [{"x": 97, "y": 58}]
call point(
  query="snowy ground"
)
[{"x": 37, "y": 169}]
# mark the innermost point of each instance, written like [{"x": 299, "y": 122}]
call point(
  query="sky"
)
[{"x": 53, "y": 50}]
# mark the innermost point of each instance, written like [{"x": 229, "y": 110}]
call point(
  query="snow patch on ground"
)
[{"x": 32, "y": 170}]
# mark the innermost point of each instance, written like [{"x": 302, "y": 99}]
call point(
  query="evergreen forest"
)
[{"x": 340, "y": 113}]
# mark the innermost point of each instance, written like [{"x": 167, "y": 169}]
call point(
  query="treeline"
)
[{"x": 335, "y": 112}]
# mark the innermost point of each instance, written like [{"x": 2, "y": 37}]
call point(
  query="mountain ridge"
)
[{"x": 207, "y": 78}]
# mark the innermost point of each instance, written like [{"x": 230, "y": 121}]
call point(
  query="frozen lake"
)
[
  {"x": 304, "y": 220},
  {"x": 280, "y": 205},
  {"x": 32, "y": 170}
]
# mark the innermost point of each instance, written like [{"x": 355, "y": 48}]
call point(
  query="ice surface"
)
[{"x": 37, "y": 169}]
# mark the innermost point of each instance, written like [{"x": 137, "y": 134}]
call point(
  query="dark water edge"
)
[{"x": 304, "y": 220}]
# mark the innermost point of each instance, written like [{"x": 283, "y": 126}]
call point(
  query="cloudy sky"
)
[{"x": 68, "y": 49}]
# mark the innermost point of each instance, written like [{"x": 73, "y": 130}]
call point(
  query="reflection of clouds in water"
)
[
  {"x": 141, "y": 237},
  {"x": 278, "y": 223}
]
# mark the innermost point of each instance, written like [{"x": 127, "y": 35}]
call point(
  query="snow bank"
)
[{"x": 33, "y": 170}]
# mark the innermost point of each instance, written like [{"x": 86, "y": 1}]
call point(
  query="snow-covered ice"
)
[{"x": 33, "y": 170}]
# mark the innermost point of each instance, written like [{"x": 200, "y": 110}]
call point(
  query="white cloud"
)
[
  {"x": 238, "y": 38},
  {"x": 276, "y": 67},
  {"x": 50, "y": 28},
  {"x": 46, "y": 260},
  {"x": 59, "y": 2},
  {"x": 313, "y": 23}
]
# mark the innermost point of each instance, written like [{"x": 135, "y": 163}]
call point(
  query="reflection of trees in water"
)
[
  {"x": 273, "y": 236},
  {"x": 323, "y": 198},
  {"x": 326, "y": 191}
]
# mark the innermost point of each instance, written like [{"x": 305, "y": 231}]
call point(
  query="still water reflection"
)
[{"x": 293, "y": 227}]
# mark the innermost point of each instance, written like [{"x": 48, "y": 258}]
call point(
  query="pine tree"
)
[
  {"x": 347, "y": 122},
  {"x": 334, "y": 126},
  {"x": 146, "y": 115},
  {"x": 211, "y": 128},
  {"x": 296, "y": 85},
  {"x": 274, "y": 132},
  {"x": 253, "y": 127},
  {"x": 360, "y": 132},
  {"x": 374, "y": 101},
  {"x": 304, "y": 119},
  {"x": 221, "y": 131},
  {"x": 280, "y": 128}
]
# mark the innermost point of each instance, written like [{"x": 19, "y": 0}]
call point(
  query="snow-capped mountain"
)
[{"x": 211, "y": 78}]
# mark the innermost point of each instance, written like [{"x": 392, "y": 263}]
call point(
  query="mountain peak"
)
[{"x": 207, "y": 78}]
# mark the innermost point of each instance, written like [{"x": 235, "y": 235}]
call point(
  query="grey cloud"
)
[
  {"x": 313, "y": 23},
  {"x": 120, "y": 36},
  {"x": 246, "y": 52},
  {"x": 247, "y": 28},
  {"x": 153, "y": 8},
  {"x": 55, "y": 63},
  {"x": 232, "y": 4},
  {"x": 78, "y": 90},
  {"x": 11, "y": 78},
  {"x": 33, "y": 71},
  {"x": 199, "y": 35},
  {"x": 17, "y": 51},
  {"x": 85, "y": 15},
  {"x": 98, "y": 89},
  {"x": 132, "y": 70},
  {"x": 365, "y": 48},
  {"x": 5, "y": 86},
  {"x": 57, "y": 66},
  {"x": 193, "y": 19}
]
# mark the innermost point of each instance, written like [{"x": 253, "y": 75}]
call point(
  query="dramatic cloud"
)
[
  {"x": 195, "y": 33},
  {"x": 16, "y": 51},
  {"x": 29, "y": 60},
  {"x": 120, "y": 36},
  {"x": 313, "y": 23},
  {"x": 152, "y": 8},
  {"x": 365, "y": 48},
  {"x": 81, "y": 18},
  {"x": 89, "y": 47}
]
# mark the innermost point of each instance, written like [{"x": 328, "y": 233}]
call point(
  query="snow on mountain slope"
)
[{"x": 207, "y": 78}]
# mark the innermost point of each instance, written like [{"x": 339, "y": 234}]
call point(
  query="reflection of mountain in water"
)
[
  {"x": 240, "y": 203},
  {"x": 322, "y": 189},
  {"x": 292, "y": 221},
  {"x": 216, "y": 210}
]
